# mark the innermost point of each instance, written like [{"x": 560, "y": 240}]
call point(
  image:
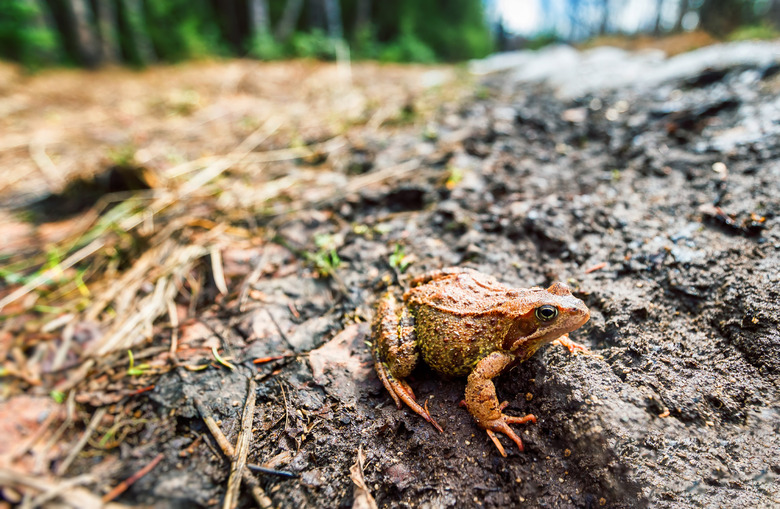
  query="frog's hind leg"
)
[
  {"x": 395, "y": 353},
  {"x": 482, "y": 402}
]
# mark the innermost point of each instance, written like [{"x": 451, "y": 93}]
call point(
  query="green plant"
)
[
  {"x": 398, "y": 260},
  {"x": 456, "y": 175},
  {"x": 326, "y": 260},
  {"x": 314, "y": 44},
  {"x": 763, "y": 31},
  {"x": 221, "y": 359},
  {"x": 134, "y": 370},
  {"x": 407, "y": 48},
  {"x": 123, "y": 156},
  {"x": 365, "y": 44},
  {"x": 265, "y": 47},
  {"x": 22, "y": 36}
]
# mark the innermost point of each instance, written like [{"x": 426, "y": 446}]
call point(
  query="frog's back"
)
[
  {"x": 452, "y": 344},
  {"x": 463, "y": 294}
]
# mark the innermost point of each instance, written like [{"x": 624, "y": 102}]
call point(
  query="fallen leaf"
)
[{"x": 363, "y": 498}]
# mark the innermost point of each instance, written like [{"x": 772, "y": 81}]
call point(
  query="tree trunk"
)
[
  {"x": 773, "y": 14},
  {"x": 286, "y": 26},
  {"x": 259, "y": 18},
  {"x": 680, "y": 15},
  {"x": 604, "y": 17},
  {"x": 363, "y": 15},
  {"x": 89, "y": 46},
  {"x": 720, "y": 17},
  {"x": 107, "y": 26},
  {"x": 658, "y": 12},
  {"x": 140, "y": 39},
  {"x": 333, "y": 17}
]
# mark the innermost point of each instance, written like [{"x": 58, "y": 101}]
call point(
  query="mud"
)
[
  {"x": 657, "y": 205},
  {"x": 680, "y": 410}
]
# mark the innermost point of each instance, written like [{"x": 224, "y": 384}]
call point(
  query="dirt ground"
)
[{"x": 653, "y": 205}]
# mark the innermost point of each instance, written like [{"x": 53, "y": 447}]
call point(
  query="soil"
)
[{"x": 657, "y": 206}]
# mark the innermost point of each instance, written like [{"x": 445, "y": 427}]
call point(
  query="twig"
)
[
  {"x": 286, "y": 407},
  {"x": 71, "y": 496},
  {"x": 174, "y": 317},
  {"x": 124, "y": 485},
  {"x": 242, "y": 448},
  {"x": 62, "y": 351},
  {"x": 57, "y": 489},
  {"x": 261, "y": 499},
  {"x": 217, "y": 271},
  {"x": 211, "y": 424},
  {"x": 28, "y": 444},
  {"x": 596, "y": 267},
  {"x": 91, "y": 427},
  {"x": 49, "y": 170},
  {"x": 70, "y": 412}
]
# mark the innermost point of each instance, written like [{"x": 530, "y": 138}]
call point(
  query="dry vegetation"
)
[{"x": 125, "y": 194}]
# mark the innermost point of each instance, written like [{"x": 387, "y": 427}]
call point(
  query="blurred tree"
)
[
  {"x": 260, "y": 18},
  {"x": 719, "y": 17},
  {"x": 134, "y": 37},
  {"x": 86, "y": 35},
  {"x": 182, "y": 29},
  {"x": 91, "y": 32},
  {"x": 107, "y": 23},
  {"x": 683, "y": 9},
  {"x": 333, "y": 17},
  {"x": 292, "y": 11},
  {"x": 25, "y": 33}
]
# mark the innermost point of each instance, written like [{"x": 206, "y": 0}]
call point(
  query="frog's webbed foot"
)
[
  {"x": 573, "y": 347},
  {"x": 400, "y": 391},
  {"x": 501, "y": 425}
]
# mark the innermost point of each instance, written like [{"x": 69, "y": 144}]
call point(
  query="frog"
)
[{"x": 463, "y": 322}]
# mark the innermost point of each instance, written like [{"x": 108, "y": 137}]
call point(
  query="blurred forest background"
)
[{"x": 91, "y": 33}]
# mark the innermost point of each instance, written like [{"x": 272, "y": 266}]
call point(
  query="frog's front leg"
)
[
  {"x": 572, "y": 346},
  {"x": 482, "y": 403},
  {"x": 395, "y": 353}
]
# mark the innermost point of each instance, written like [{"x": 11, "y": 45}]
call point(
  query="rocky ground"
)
[{"x": 655, "y": 199}]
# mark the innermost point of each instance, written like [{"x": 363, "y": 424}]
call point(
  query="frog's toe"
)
[
  {"x": 573, "y": 347},
  {"x": 389, "y": 382},
  {"x": 501, "y": 425},
  {"x": 400, "y": 391}
]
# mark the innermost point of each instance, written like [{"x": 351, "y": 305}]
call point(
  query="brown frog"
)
[{"x": 464, "y": 322}]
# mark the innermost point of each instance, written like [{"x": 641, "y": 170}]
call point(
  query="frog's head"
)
[{"x": 546, "y": 315}]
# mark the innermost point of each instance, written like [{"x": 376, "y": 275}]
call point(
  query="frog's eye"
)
[{"x": 546, "y": 313}]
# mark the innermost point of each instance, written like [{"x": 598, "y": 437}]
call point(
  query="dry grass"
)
[{"x": 225, "y": 147}]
